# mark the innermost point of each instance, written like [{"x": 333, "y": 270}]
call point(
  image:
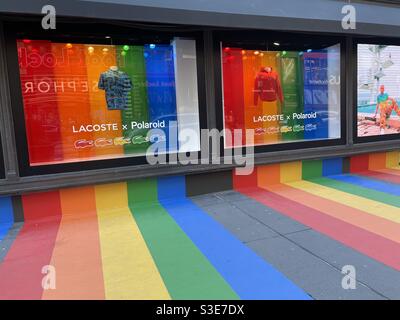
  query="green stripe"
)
[
  {"x": 311, "y": 169},
  {"x": 132, "y": 62},
  {"x": 291, "y": 80},
  {"x": 185, "y": 270},
  {"x": 359, "y": 191}
]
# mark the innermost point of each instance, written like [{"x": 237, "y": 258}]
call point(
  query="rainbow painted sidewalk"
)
[{"x": 282, "y": 233}]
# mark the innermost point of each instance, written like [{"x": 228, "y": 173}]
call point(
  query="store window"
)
[
  {"x": 107, "y": 99},
  {"x": 284, "y": 89},
  {"x": 378, "y": 95}
]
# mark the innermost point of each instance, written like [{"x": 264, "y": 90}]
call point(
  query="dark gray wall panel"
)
[
  {"x": 208, "y": 182},
  {"x": 306, "y": 15}
]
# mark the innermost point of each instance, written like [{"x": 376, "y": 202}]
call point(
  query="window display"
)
[
  {"x": 378, "y": 111},
  {"x": 281, "y": 95},
  {"x": 100, "y": 101}
]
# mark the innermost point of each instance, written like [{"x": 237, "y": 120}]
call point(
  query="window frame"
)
[
  {"x": 236, "y": 36},
  {"x": 72, "y": 33},
  {"x": 356, "y": 42}
]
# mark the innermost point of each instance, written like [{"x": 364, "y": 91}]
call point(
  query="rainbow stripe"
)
[
  {"x": 130, "y": 240},
  {"x": 144, "y": 239},
  {"x": 359, "y": 209}
]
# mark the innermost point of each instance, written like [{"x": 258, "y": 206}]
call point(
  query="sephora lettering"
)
[{"x": 59, "y": 86}]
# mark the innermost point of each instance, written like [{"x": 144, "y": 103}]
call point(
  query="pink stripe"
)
[
  {"x": 381, "y": 176},
  {"x": 375, "y": 246},
  {"x": 21, "y": 271}
]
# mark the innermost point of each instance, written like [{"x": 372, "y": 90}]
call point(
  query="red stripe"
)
[
  {"x": 21, "y": 271},
  {"x": 374, "y": 246},
  {"x": 359, "y": 163}
]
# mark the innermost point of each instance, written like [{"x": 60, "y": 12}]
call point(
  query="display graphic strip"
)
[
  {"x": 291, "y": 80},
  {"x": 131, "y": 60},
  {"x": 269, "y": 108},
  {"x": 71, "y": 85},
  {"x": 250, "y": 64},
  {"x": 187, "y": 100},
  {"x": 99, "y": 59},
  {"x": 233, "y": 91},
  {"x": 161, "y": 92},
  {"x": 316, "y": 94},
  {"x": 40, "y": 101}
]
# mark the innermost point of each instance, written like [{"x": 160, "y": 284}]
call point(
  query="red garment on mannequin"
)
[{"x": 267, "y": 86}]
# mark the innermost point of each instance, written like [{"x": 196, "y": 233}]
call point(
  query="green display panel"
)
[
  {"x": 292, "y": 84},
  {"x": 131, "y": 61}
]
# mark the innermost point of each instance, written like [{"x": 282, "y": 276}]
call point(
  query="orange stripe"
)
[
  {"x": 72, "y": 98},
  {"x": 377, "y": 161},
  {"x": 268, "y": 175},
  {"x": 76, "y": 256}
]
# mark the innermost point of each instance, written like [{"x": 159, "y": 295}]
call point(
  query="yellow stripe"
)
[
  {"x": 392, "y": 159},
  {"x": 128, "y": 268},
  {"x": 373, "y": 207},
  {"x": 291, "y": 171}
]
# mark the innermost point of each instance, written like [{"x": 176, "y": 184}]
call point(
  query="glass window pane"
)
[
  {"x": 281, "y": 95},
  {"x": 101, "y": 101},
  {"x": 378, "y": 111}
]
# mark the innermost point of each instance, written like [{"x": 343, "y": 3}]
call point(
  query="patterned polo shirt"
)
[{"x": 117, "y": 86}]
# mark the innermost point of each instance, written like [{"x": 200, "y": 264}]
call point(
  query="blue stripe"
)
[
  {"x": 248, "y": 274},
  {"x": 6, "y": 216},
  {"x": 332, "y": 166},
  {"x": 161, "y": 90},
  {"x": 381, "y": 186},
  {"x": 315, "y": 67}
]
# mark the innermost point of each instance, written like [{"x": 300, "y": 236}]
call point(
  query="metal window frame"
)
[
  {"x": 368, "y": 40},
  {"x": 236, "y": 36},
  {"x": 18, "y": 110}
]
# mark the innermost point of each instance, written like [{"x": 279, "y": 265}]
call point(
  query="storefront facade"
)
[{"x": 78, "y": 103}]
